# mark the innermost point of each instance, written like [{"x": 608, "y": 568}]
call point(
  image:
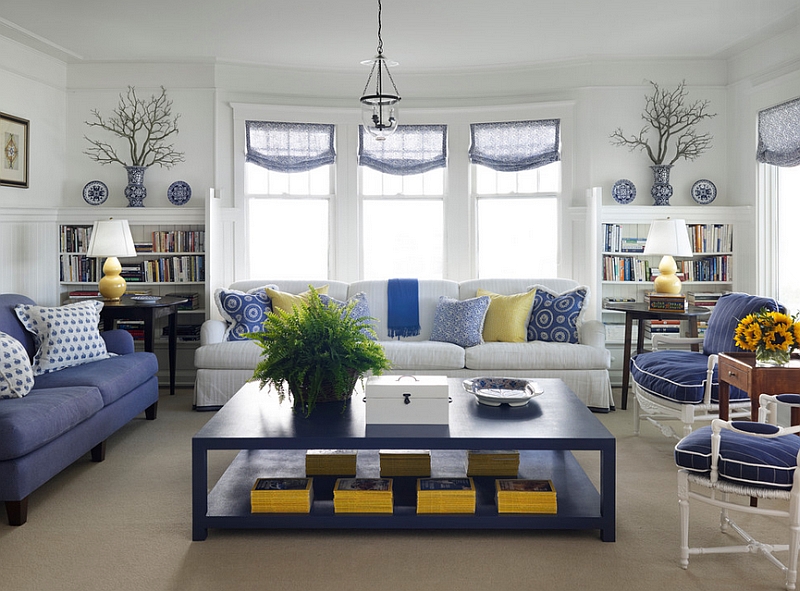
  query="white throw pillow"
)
[
  {"x": 65, "y": 335},
  {"x": 16, "y": 375}
]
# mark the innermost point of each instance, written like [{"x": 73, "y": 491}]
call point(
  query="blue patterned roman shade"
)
[
  {"x": 289, "y": 147},
  {"x": 779, "y": 134},
  {"x": 412, "y": 149},
  {"x": 513, "y": 146}
]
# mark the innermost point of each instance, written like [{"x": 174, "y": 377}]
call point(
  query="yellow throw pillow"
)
[
  {"x": 285, "y": 301},
  {"x": 508, "y": 316}
]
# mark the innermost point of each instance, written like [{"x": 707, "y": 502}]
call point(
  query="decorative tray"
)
[{"x": 497, "y": 391}]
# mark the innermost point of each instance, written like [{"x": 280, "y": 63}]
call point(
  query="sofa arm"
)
[
  {"x": 212, "y": 331},
  {"x": 592, "y": 333},
  {"x": 118, "y": 341}
]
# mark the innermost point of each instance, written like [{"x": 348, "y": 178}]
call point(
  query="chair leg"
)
[
  {"x": 683, "y": 502},
  {"x": 17, "y": 511},
  {"x": 636, "y": 417}
]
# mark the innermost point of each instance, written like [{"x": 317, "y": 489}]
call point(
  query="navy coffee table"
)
[{"x": 272, "y": 440}]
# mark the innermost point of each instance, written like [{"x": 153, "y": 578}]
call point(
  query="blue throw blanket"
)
[{"x": 403, "y": 304}]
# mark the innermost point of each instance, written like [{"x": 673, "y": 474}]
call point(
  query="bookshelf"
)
[
  {"x": 171, "y": 260},
  {"x": 625, "y": 273}
]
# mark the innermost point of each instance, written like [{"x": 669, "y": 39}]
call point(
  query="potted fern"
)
[{"x": 317, "y": 352}]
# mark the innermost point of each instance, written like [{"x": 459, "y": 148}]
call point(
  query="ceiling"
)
[{"x": 421, "y": 35}]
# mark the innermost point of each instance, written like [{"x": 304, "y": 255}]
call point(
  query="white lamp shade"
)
[
  {"x": 668, "y": 237},
  {"x": 111, "y": 238}
]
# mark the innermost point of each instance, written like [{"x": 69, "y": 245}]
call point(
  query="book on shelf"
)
[
  {"x": 670, "y": 326},
  {"x": 363, "y": 495},
  {"x": 617, "y": 300},
  {"x": 83, "y": 294},
  {"x": 143, "y": 247},
  {"x": 331, "y": 462},
  {"x": 515, "y": 495},
  {"x": 282, "y": 495},
  {"x": 192, "y": 303},
  {"x": 665, "y": 302},
  {"x": 707, "y": 299},
  {"x": 482, "y": 462},
  {"x": 405, "y": 462},
  {"x": 184, "y": 332},
  {"x": 445, "y": 495}
]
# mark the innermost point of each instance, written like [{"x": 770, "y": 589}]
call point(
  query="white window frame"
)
[{"x": 460, "y": 252}]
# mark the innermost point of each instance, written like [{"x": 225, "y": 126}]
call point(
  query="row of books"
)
[
  {"x": 179, "y": 241},
  {"x": 670, "y": 327},
  {"x": 614, "y": 241},
  {"x": 707, "y": 299},
  {"x": 185, "y": 333},
  {"x": 714, "y": 268},
  {"x": 166, "y": 269},
  {"x": 711, "y": 237},
  {"x": 328, "y": 462},
  {"x": 616, "y": 268},
  {"x": 375, "y": 495},
  {"x": 74, "y": 238},
  {"x": 78, "y": 268}
]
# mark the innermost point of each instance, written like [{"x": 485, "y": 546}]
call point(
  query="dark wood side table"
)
[
  {"x": 640, "y": 311},
  {"x": 739, "y": 369},
  {"x": 148, "y": 311}
]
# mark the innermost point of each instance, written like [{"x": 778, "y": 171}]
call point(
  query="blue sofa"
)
[{"x": 68, "y": 412}]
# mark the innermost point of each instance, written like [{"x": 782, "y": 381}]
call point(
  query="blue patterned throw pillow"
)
[
  {"x": 360, "y": 308},
  {"x": 243, "y": 311},
  {"x": 556, "y": 316},
  {"x": 16, "y": 375},
  {"x": 65, "y": 335},
  {"x": 460, "y": 321}
]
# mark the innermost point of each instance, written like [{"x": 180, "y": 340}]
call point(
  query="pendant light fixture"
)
[{"x": 379, "y": 109}]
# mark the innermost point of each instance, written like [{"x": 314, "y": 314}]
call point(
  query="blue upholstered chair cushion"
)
[
  {"x": 360, "y": 309},
  {"x": 678, "y": 376},
  {"x": 745, "y": 459},
  {"x": 556, "y": 316},
  {"x": 243, "y": 311},
  {"x": 16, "y": 375},
  {"x": 460, "y": 321},
  {"x": 729, "y": 310}
]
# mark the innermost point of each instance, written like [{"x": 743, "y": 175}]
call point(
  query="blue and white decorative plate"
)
[
  {"x": 623, "y": 191},
  {"x": 497, "y": 391},
  {"x": 95, "y": 193},
  {"x": 179, "y": 193},
  {"x": 704, "y": 191}
]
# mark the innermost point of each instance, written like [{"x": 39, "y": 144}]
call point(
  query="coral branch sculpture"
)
[
  {"x": 145, "y": 125},
  {"x": 672, "y": 122}
]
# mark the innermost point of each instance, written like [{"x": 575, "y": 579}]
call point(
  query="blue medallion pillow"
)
[
  {"x": 360, "y": 309},
  {"x": 243, "y": 311},
  {"x": 16, "y": 375},
  {"x": 556, "y": 316},
  {"x": 65, "y": 335},
  {"x": 743, "y": 458},
  {"x": 460, "y": 321}
]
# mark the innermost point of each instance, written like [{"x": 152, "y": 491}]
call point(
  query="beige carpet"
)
[{"x": 126, "y": 524}]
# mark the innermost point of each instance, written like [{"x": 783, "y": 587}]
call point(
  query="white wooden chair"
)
[
  {"x": 682, "y": 385},
  {"x": 727, "y": 464}
]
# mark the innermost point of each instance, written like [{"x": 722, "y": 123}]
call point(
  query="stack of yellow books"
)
[
  {"x": 331, "y": 462},
  {"x": 405, "y": 462},
  {"x": 363, "y": 495},
  {"x": 445, "y": 495},
  {"x": 525, "y": 496},
  {"x": 492, "y": 462},
  {"x": 282, "y": 495}
]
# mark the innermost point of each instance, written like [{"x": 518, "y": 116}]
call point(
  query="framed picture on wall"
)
[{"x": 14, "y": 152}]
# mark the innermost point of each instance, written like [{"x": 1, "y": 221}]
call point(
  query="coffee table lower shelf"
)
[{"x": 579, "y": 503}]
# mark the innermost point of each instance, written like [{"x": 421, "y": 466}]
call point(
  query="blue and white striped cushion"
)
[
  {"x": 678, "y": 376},
  {"x": 729, "y": 310},
  {"x": 743, "y": 459}
]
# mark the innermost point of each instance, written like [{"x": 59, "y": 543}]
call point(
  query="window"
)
[
  {"x": 402, "y": 185},
  {"x": 516, "y": 181},
  {"x": 788, "y": 214},
  {"x": 288, "y": 182}
]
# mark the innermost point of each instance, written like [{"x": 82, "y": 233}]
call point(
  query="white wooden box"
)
[{"x": 407, "y": 400}]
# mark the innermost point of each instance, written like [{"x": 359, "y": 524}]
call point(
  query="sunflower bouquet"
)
[{"x": 771, "y": 335}]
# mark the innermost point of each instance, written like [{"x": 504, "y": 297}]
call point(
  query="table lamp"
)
[
  {"x": 111, "y": 238},
  {"x": 668, "y": 238}
]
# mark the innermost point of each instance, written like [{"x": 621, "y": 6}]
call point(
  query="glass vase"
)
[{"x": 772, "y": 358}]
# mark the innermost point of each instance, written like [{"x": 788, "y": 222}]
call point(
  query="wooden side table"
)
[
  {"x": 739, "y": 369},
  {"x": 640, "y": 311},
  {"x": 148, "y": 311}
]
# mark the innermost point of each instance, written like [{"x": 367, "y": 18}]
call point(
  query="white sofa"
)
[{"x": 224, "y": 366}]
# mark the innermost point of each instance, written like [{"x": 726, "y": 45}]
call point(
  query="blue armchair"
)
[{"x": 682, "y": 385}]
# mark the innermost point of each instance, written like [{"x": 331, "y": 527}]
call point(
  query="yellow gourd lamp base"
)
[
  {"x": 112, "y": 285},
  {"x": 667, "y": 280}
]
